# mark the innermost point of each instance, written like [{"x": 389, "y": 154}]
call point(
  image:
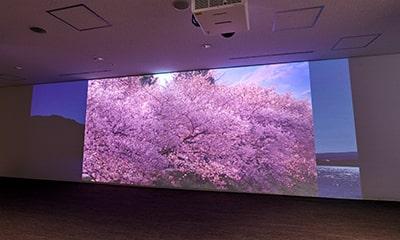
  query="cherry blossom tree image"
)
[{"x": 188, "y": 131}]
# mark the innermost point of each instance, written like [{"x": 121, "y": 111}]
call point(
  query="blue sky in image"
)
[
  {"x": 334, "y": 125},
  {"x": 63, "y": 99},
  {"x": 330, "y": 84},
  {"x": 292, "y": 78}
]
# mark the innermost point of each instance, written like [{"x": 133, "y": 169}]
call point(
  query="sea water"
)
[{"x": 339, "y": 182}]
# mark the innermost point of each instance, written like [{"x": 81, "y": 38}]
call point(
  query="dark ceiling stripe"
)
[
  {"x": 271, "y": 55},
  {"x": 83, "y": 73},
  {"x": 10, "y": 78}
]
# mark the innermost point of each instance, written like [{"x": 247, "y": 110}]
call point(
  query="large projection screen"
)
[{"x": 247, "y": 129}]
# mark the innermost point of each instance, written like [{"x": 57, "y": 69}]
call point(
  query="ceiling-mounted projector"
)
[{"x": 225, "y": 17}]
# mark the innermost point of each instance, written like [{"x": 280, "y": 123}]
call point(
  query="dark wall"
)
[
  {"x": 14, "y": 110},
  {"x": 376, "y": 96},
  {"x": 37, "y": 147}
]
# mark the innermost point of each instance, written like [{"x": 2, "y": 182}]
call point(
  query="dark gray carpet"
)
[{"x": 54, "y": 210}]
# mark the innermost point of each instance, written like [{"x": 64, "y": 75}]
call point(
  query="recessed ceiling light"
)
[
  {"x": 18, "y": 67},
  {"x": 180, "y": 4},
  {"x": 206, "y": 45},
  {"x": 38, "y": 30},
  {"x": 99, "y": 59}
]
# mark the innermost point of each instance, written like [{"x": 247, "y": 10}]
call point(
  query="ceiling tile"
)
[
  {"x": 296, "y": 18},
  {"x": 80, "y": 17},
  {"x": 353, "y": 42}
]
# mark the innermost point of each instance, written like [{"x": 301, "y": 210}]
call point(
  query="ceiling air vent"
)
[
  {"x": 200, "y": 4},
  {"x": 215, "y": 3}
]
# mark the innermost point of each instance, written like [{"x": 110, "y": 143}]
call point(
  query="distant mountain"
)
[{"x": 338, "y": 159}]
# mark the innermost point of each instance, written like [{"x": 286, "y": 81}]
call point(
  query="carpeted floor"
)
[{"x": 33, "y": 210}]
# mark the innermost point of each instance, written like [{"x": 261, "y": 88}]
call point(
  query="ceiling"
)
[{"x": 150, "y": 36}]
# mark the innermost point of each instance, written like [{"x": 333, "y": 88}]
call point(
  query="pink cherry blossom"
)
[{"x": 193, "y": 133}]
